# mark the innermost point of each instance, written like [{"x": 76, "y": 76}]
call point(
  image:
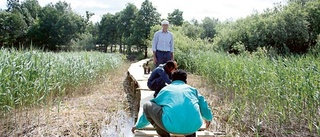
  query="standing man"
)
[
  {"x": 163, "y": 45},
  {"x": 178, "y": 109}
]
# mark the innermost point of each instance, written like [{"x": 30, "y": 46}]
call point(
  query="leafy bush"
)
[
  {"x": 85, "y": 42},
  {"x": 316, "y": 49},
  {"x": 192, "y": 31},
  {"x": 184, "y": 47},
  {"x": 286, "y": 28}
]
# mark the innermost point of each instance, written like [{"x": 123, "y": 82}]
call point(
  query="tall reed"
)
[{"x": 30, "y": 77}]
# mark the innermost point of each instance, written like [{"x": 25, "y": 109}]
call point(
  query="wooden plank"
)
[
  {"x": 150, "y": 127},
  {"x": 136, "y": 71},
  {"x": 143, "y": 61},
  {"x": 143, "y": 85},
  {"x": 203, "y": 127},
  {"x": 145, "y": 96},
  {"x": 146, "y": 133}
]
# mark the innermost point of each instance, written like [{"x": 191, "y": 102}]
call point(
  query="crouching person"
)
[
  {"x": 160, "y": 76},
  {"x": 178, "y": 109}
]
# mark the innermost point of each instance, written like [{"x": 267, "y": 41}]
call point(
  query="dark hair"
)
[
  {"x": 179, "y": 75},
  {"x": 170, "y": 64}
]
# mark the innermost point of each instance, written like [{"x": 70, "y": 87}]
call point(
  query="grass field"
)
[
  {"x": 250, "y": 94},
  {"x": 267, "y": 95},
  {"x": 29, "y": 78}
]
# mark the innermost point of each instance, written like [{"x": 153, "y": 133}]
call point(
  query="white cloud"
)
[
  {"x": 3, "y": 4},
  {"x": 221, "y": 9}
]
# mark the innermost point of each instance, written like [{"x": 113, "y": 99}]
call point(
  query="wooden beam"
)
[
  {"x": 143, "y": 85},
  {"x": 150, "y": 127},
  {"x": 146, "y": 133},
  {"x": 137, "y": 72}
]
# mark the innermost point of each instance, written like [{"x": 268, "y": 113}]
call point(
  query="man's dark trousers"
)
[
  {"x": 162, "y": 57},
  {"x": 156, "y": 85}
]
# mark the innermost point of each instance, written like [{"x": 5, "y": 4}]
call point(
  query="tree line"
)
[
  {"x": 54, "y": 26},
  {"x": 291, "y": 27},
  {"x": 27, "y": 23}
]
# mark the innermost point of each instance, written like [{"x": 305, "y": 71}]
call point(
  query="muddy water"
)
[{"x": 117, "y": 124}]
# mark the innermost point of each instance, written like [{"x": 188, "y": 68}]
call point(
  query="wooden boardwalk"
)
[{"x": 142, "y": 94}]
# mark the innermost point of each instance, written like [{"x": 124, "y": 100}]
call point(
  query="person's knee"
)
[{"x": 146, "y": 106}]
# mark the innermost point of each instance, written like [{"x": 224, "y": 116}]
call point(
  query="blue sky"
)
[{"x": 198, "y": 9}]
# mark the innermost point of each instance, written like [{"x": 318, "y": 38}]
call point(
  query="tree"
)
[
  {"x": 12, "y": 5},
  {"x": 125, "y": 23},
  {"x": 194, "y": 22},
  {"x": 32, "y": 6},
  {"x": 88, "y": 16},
  {"x": 302, "y": 2},
  {"x": 176, "y": 17},
  {"x": 191, "y": 31},
  {"x": 107, "y": 29},
  {"x": 208, "y": 26},
  {"x": 87, "y": 40},
  {"x": 57, "y": 25},
  {"x": 290, "y": 28},
  {"x": 12, "y": 28},
  {"x": 146, "y": 18},
  {"x": 17, "y": 20},
  {"x": 30, "y": 10},
  {"x": 313, "y": 17}
]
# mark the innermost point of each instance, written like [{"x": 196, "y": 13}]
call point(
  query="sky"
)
[{"x": 192, "y": 9}]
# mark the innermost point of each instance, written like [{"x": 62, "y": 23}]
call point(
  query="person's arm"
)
[
  {"x": 154, "y": 47},
  {"x": 155, "y": 60},
  {"x": 142, "y": 122},
  {"x": 164, "y": 76},
  {"x": 204, "y": 107},
  {"x": 172, "y": 47}
]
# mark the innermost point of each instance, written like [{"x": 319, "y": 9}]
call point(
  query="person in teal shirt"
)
[{"x": 178, "y": 109}]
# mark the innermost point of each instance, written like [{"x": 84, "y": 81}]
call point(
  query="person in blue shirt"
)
[
  {"x": 163, "y": 45},
  {"x": 178, "y": 109},
  {"x": 160, "y": 76}
]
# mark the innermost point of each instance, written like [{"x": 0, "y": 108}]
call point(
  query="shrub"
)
[{"x": 292, "y": 27}]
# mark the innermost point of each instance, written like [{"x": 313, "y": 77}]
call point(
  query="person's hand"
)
[
  {"x": 155, "y": 60},
  {"x": 207, "y": 123},
  {"x": 133, "y": 129}
]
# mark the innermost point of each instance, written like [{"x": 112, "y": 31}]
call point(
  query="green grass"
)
[
  {"x": 283, "y": 92},
  {"x": 29, "y": 78}
]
